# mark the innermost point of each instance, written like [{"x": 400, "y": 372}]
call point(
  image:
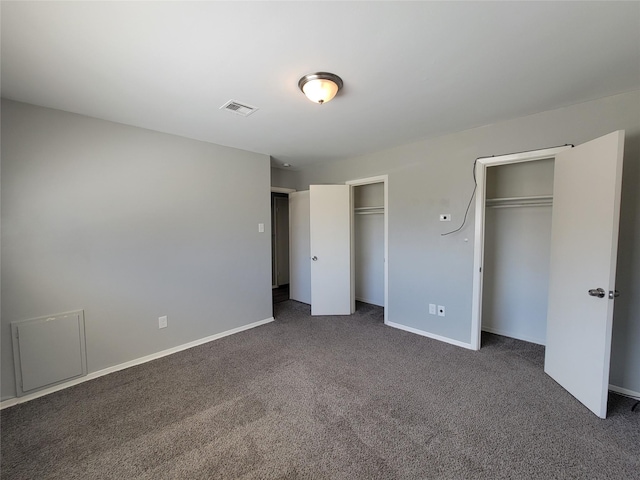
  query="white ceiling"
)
[{"x": 411, "y": 69}]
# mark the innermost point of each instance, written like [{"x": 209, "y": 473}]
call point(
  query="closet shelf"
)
[
  {"x": 368, "y": 210},
  {"x": 509, "y": 202}
]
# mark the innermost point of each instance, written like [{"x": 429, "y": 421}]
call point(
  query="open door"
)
[
  {"x": 299, "y": 248},
  {"x": 584, "y": 244},
  {"x": 330, "y": 231}
]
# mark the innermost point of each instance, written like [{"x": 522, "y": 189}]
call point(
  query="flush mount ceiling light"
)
[{"x": 320, "y": 87}]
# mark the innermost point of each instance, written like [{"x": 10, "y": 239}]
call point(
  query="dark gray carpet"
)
[{"x": 323, "y": 397}]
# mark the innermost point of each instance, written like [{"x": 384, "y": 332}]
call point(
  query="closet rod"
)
[
  {"x": 531, "y": 201},
  {"x": 360, "y": 209},
  {"x": 514, "y": 205},
  {"x": 370, "y": 213},
  {"x": 520, "y": 199}
]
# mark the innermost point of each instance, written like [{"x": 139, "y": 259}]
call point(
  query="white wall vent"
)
[
  {"x": 239, "y": 108},
  {"x": 48, "y": 350}
]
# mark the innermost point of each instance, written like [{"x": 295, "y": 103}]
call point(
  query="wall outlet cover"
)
[
  {"x": 432, "y": 309},
  {"x": 445, "y": 217},
  {"x": 441, "y": 310},
  {"x": 163, "y": 322}
]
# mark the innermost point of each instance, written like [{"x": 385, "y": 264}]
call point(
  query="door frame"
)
[
  {"x": 384, "y": 179},
  {"x": 481, "y": 166}
]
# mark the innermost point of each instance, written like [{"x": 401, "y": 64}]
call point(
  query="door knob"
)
[
  {"x": 314, "y": 258},
  {"x": 614, "y": 294},
  {"x": 597, "y": 292}
]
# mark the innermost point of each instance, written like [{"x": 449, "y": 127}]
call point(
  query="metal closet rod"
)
[
  {"x": 524, "y": 201},
  {"x": 368, "y": 210},
  {"x": 514, "y": 205}
]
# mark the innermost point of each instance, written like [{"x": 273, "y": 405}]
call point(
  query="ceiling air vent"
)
[{"x": 239, "y": 108}]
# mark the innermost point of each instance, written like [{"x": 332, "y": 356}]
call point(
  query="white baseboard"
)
[
  {"x": 624, "y": 391},
  {"x": 524, "y": 338},
  {"x": 440, "y": 338},
  {"x": 138, "y": 361}
]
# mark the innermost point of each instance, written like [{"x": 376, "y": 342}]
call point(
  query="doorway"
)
[
  {"x": 280, "y": 243},
  {"x": 279, "y": 239},
  {"x": 517, "y": 250},
  {"x": 492, "y": 195},
  {"x": 369, "y": 241}
]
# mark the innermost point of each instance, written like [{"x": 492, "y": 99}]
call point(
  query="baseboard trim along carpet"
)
[
  {"x": 451, "y": 341},
  {"x": 624, "y": 391},
  {"x": 132, "y": 363}
]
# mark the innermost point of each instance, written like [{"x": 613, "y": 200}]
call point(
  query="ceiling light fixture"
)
[{"x": 320, "y": 87}]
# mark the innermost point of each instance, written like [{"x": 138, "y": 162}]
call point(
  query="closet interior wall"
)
[
  {"x": 368, "y": 225},
  {"x": 517, "y": 249}
]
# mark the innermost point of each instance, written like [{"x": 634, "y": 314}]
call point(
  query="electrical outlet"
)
[
  {"x": 441, "y": 310},
  {"x": 445, "y": 217},
  {"x": 163, "y": 322},
  {"x": 261, "y": 228},
  {"x": 432, "y": 309}
]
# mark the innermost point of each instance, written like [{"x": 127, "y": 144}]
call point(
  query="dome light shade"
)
[{"x": 320, "y": 87}]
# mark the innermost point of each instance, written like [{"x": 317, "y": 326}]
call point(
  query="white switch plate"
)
[
  {"x": 432, "y": 309},
  {"x": 445, "y": 217},
  {"x": 441, "y": 310},
  {"x": 162, "y": 322},
  {"x": 261, "y": 228}
]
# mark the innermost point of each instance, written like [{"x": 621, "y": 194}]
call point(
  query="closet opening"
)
[
  {"x": 517, "y": 247},
  {"x": 369, "y": 243},
  {"x": 514, "y": 202}
]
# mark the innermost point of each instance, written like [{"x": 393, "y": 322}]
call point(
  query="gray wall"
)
[
  {"x": 129, "y": 224},
  {"x": 434, "y": 176}
]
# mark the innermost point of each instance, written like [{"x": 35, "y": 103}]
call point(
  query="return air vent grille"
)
[{"x": 238, "y": 108}]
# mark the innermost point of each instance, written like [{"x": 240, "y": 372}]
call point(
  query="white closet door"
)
[
  {"x": 584, "y": 244},
  {"x": 299, "y": 247},
  {"x": 330, "y": 207}
]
